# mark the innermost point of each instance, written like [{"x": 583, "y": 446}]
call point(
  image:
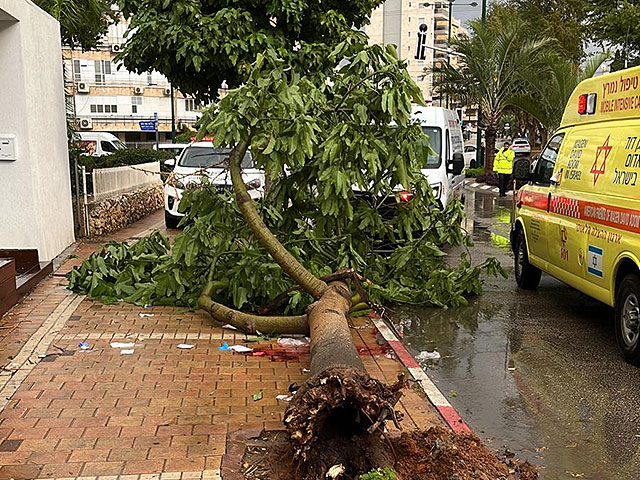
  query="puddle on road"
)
[{"x": 536, "y": 372}]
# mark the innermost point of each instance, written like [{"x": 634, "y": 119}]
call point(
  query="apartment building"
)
[
  {"x": 106, "y": 97},
  {"x": 409, "y": 25},
  {"x": 420, "y": 30}
]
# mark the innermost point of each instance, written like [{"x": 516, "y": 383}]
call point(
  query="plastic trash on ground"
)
[
  {"x": 122, "y": 345},
  {"x": 429, "y": 356},
  {"x": 185, "y": 346},
  {"x": 84, "y": 346},
  {"x": 284, "y": 398},
  {"x": 293, "y": 342},
  {"x": 240, "y": 349},
  {"x": 143, "y": 315},
  {"x": 127, "y": 352}
]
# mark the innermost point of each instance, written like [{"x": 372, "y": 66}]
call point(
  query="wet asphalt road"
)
[{"x": 537, "y": 372}]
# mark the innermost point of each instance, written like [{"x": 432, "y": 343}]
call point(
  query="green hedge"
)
[
  {"x": 474, "y": 172},
  {"x": 130, "y": 156},
  {"x": 121, "y": 158}
]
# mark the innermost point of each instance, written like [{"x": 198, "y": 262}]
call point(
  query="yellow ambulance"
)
[{"x": 578, "y": 217}]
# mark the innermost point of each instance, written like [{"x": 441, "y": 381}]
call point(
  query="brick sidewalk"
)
[{"x": 160, "y": 412}]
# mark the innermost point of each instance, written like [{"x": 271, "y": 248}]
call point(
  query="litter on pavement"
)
[
  {"x": 293, "y": 342},
  {"x": 257, "y": 396},
  {"x": 84, "y": 346},
  {"x": 229, "y": 326},
  {"x": 284, "y": 398},
  {"x": 122, "y": 345},
  {"x": 235, "y": 348},
  {"x": 126, "y": 352},
  {"x": 185, "y": 346},
  {"x": 240, "y": 349},
  {"x": 142, "y": 315}
]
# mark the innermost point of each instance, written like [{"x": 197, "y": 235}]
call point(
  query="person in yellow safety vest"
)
[{"x": 503, "y": 166}]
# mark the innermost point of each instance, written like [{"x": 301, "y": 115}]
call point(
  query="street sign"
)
[{"x": 148, "y": 125}]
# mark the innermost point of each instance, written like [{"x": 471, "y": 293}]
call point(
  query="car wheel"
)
[
  {"x": 628, "y": 318},
  {"x": 170, "y": 221},
  {"x": 527, "y": 276}
]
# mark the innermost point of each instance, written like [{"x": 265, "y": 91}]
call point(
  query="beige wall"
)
[
  {"x": 35, "y": 191},
  {"x": 397, "y": 22}
]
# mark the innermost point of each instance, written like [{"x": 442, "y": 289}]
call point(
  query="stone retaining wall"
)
[{"x": 115, "y": 213}]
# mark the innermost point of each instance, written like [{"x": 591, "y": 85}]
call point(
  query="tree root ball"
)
[{"x": 332, "y": 408}]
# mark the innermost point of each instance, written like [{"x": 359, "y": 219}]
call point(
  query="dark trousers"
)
[{"x": 504, "y": 183}]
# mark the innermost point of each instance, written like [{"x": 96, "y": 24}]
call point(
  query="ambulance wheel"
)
[
  {"x": 527, "y": 276},
  {"x": 628, "y": 318}
]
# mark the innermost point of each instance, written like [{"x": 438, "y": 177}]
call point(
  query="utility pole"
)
[
  {"x": 480, "y": 159},
  {"x": 173, "y": 117}
]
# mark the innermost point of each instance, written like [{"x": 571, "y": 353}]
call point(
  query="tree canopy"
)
[
  {"x": 615, "y": 24},
  {"x": 83, "y": 23},
  {"x": 198, "y": 44}
]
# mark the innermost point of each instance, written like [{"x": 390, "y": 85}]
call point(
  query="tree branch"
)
[{"x": 299, "y": 274}]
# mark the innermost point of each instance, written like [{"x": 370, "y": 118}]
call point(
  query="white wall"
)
[{"x": 35, "y": 193}]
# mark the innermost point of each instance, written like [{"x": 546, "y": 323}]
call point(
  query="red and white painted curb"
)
[{"x": 435, "y": 396}]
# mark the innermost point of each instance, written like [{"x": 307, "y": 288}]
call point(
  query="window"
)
[
  {"x": 200, "y": 157},
  {"x": 150, "y": 78},
  {"x": 135, "y": 103},
  {"x": 190, "y": 105},
  {"x": 77, "y": 76},
  {"x": 547, "y": 161},
  {"x": 104, "y": 108},
  {"x": 435, "y": 142},
  {"x": 102, "y": 68},
  {"x": 108, "y": 147}
]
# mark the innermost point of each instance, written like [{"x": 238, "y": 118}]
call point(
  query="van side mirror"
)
[
  {"x": 170, "y": 163},
  {"x": 522, "y": 169},
  {"x": 457, "y": 164}
]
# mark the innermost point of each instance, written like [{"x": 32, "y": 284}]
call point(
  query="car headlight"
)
[
  {"x": 179, "y": 184},
  {"x": 437, "y": 190},
  {"x": 254, "y": 184}
]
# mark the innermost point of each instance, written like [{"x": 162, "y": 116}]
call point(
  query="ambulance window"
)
[{"x": 547, "y": 161}]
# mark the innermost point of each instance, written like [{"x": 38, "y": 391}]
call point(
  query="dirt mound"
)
[
  {"x": 435, "y": 454},
  {"x": 439, "y": 454}
]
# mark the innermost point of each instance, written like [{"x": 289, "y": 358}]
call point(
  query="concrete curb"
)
[{"x": 435, "y": 396}]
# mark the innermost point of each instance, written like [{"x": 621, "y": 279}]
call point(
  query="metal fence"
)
[{"x": 108, "y": 182}]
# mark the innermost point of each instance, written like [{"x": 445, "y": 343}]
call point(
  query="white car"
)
[
  {"x": 470, "y": 156},
  {"x": 521, "y": 146},
  {"x": 201, "y": 159}
]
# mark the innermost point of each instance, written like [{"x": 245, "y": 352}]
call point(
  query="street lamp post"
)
[{"x": 479, "y": 158}]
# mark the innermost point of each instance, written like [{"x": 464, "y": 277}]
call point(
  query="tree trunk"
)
[
  {"x": 489, "y": 153},
  {"x": 337, "y": 415}
]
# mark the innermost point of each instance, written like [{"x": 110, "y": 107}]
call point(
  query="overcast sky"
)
[{"x": 466, "y": 12}]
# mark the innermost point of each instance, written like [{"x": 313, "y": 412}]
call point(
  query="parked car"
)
[
  {"x": 201, "y": 159},
  {"x": 470, "y": 156},
  {"x": 444, "y": 169},
  {"x": 520, "y": 146},
  {"x": 99, "y": 143},
  {"x": 175, "y": 148},
  {"x": 577, "y": 218}
]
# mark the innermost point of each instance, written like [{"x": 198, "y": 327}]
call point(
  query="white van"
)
[
  {"x": 98, "y": 144},
  {"x": 444, "y": 168},
  {"x": 175, "y": 148},
  {"x": 200, "y": 159}
]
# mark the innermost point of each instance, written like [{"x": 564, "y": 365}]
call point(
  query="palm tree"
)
[
  {"x": 545, "y": 96},
  {"x": 494, "y": 63}
]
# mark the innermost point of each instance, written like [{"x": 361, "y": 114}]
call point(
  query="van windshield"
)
[
  {"x": 209, "y": 157},
  {"x": 119, "y": 145},
  {"x": 435, "y": 140}
]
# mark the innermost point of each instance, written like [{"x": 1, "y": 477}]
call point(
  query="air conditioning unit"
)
[
  {"x": 138, "y": 90},
  {"x": 86, "y": 124},
  {"x": 167, "y": 92},
  {"x": 116, "y": 48},
  {"x": 83, "y": 87}
]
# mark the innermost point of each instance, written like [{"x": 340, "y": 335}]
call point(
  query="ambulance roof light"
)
[{"x": 582, "y": 104}]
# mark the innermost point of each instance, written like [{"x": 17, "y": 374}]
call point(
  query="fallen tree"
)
[{"x": 329, "y": 119}]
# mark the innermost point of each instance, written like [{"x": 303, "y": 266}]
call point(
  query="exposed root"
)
[{"x": 333, "y": 408}]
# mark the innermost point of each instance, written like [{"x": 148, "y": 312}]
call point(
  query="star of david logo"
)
[{"x": 606, "y": 149}]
